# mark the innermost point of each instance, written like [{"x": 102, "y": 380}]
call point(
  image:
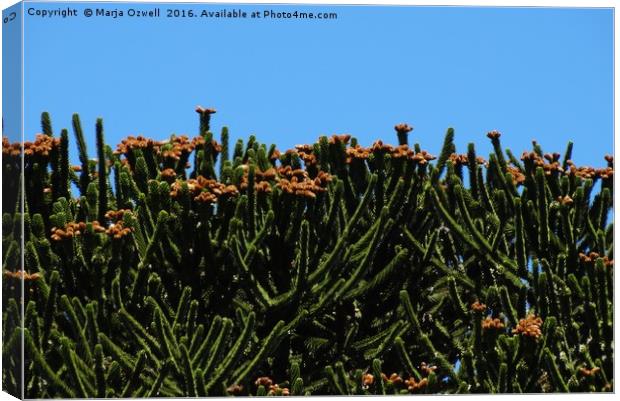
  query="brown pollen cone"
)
[
  {"x": 493, "y": 134},
  {"x": 529, "y": 327},
  {"x": 492, "y": 324},
  {"x": 403, "y": 128},
  {"x": 202, "y": 110},
  {"x": 263, "y": 381},
  {"x": 478, "y": 307}
]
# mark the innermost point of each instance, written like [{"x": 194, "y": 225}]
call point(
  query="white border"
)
[{"x": 540, "y": 3}]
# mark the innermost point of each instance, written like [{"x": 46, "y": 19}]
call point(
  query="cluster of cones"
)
[
  {"x": 75, "y": 229},
  {"x": 359, "y": 152},
  {"x": 292, "y": 181},
  {"x": 21, "y": 275},
  {"x": 550, "y": 162},
  {"x": 478, "y": 307},
  {"x": 490, "y": 323},
  {"x": 10, "y": 149},
  {"x": 204, "y": 190},
  {"x": 529, "y": 327},
  {"x": 41, "y": 147},
  {"x": 518, "y": 177},
  {"x": 592, "y": 256},
  {"x": 172, "y": 149},
  {"x": 298, "y": 183},
  {"x": 463, "y": 159},
  {"x": 272, "y": 388},
  {"x": 116, "y": 215},
  {"x": 585, "y": 372},
  {"x": 411, "y": 384}
]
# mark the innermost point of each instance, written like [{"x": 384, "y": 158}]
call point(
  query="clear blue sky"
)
[
  {"x": 531, "y": 73},
  {"x": 11, "y": 73}
]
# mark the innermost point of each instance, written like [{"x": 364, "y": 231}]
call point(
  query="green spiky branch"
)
[{"x": 178, "y": 269}]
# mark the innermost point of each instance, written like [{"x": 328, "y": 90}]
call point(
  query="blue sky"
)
[
  {"x": 531, "y": 73},
  {"x": 11, "y": 73}
]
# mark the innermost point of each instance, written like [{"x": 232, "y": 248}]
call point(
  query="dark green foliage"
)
[
  {"x": 102, "y": 176},
  {"x": 330, "y": 269}
]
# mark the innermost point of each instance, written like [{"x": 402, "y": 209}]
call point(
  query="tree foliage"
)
[{"x": 173, "y": 268}]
